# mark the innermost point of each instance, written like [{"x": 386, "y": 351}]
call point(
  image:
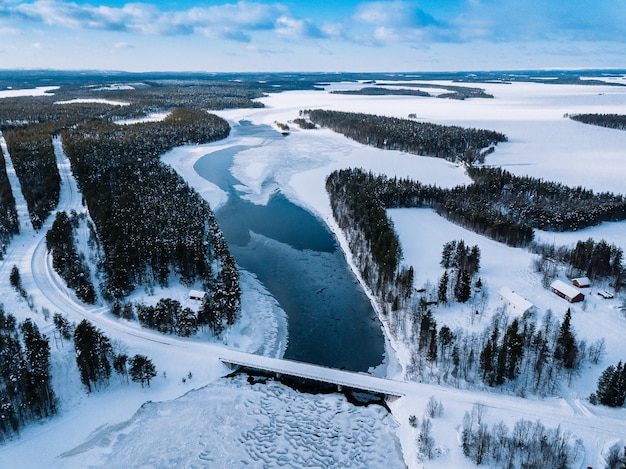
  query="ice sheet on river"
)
[{"x": 235, "y": 424}]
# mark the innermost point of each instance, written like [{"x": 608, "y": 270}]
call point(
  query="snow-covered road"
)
[{"x": 304, "y": 158}]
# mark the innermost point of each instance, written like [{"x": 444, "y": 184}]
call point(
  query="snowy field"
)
[{"x": 190, "y": 417}]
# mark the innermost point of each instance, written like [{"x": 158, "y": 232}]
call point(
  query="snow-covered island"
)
[{"x": 195, "y": 414}]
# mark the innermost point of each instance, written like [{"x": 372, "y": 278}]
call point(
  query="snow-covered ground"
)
[{"x": 231, "y": 422}]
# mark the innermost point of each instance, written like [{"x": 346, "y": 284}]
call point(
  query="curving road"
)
[{"x": 595, "y": 426}]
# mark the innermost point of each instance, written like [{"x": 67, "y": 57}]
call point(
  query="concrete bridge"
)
[{"x": 342, "y": 379}]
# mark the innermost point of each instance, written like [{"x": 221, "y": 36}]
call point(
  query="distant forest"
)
[
  {"x": 612, "y": 121},
  {"x": 453, "y": 92},
  {"x": 148, "y": 221},
  {"x": 497, "y": 204},
  {"x": 452, "y": 143},
  {"x": 28, "y": 124}
]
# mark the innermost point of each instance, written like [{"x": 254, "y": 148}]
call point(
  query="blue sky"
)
[{"x": 222, "y": 36}]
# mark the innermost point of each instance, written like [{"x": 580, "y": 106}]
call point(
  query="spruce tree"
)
[
  {"x": 142, "y": 369},
  {"x": 442, "y": 291},
  {"x": 611, "y": 389},
  {"x": 566, "y": 349}
]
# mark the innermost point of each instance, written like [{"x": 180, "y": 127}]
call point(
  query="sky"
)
[{"x": 325, "y": 36}]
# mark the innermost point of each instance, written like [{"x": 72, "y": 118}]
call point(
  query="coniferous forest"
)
[
  {"x": 612, "y": 121},
  {"x": 497, "y": 204},
  {"x": 25, "y": 390},
  {"x": 8, "y": 215},
  {"x": 519, "y": 353},
  {"x": 149, "y": 221},
  {"x": 148, "y": 225},
  {"x": 33, "y": 158},
  {"x": 452, "y": 143}
]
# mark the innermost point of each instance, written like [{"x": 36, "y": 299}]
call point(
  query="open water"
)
[{"x": 330, "y": 319}]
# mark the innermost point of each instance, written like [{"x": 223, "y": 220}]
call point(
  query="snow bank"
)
[{"x": 232, "y": 423}]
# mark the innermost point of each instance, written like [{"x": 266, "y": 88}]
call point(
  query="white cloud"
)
[
  {"x": 287, "y": 26},
  {"x": 385, "y": 34},
  {"x": 122, "y": 46},
  {"x": 7, "y": 31},
  {"x": 397, "y": 14},
  {"x": 230, "y": 21}
]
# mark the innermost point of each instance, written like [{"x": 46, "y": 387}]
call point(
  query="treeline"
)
[
  {"x": 25, "y": 389},
  {"x": 149, "y": 221},
  {"x": 452, "y": 143},
  {"x": 9, "y": 225},
  {"x": 589, "y": 258},
  {"x": 66, "y": 260},
  {"x": 168, "y": 316},
  {"x": 518, "y": 355},
  {"x": 527, "y": 445},
  {"x": 381, "y": 91},
  {"x": 497, "y": 204},
  {"x": 135, "y": 100},
  {"x": 43, "y": 110},
  {"x": 359, "y": 212},
  {"x": 34, "y": 161},
  {"x": 96, "y": 357},
  {"x": 160, "y": 94},
  {"x": 544, "y": 205},
  {"x": 28, "y": 125},
  {"x": 597, "y": 260},
  {"x": 453, "y": 92},
  {"x": 461, "y": 262},
  {"x": 612, "y": 121}
]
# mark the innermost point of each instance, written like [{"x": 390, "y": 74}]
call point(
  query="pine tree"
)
[
  {"x": 513, "y": 343},
  {"x": 142, "y": 370},
  {"x": 566, "y": 349},
  {"x": 93, "y": 351},
  {"x": 442, "y": 291},
  {"x": 464, "y": 290},
  {"x": 611, "y": 388},
  {"x": 37, "y": 355},
  {"x": 486, "y": 360},
  {"x": 446, "y": 254},
  {"x": 120, "y": 363},
  {"x": 15, "y": 278}
]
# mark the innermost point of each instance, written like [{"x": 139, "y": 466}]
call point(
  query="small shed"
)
[
  {"x": 516, "y": 303},
  {"x": 566, "y": 291},
  {"x": 581, "y": 282},
  {"x": 197, "y": 295}
]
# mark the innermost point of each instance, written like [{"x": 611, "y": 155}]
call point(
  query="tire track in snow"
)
[{"x": 23, "y": 217}]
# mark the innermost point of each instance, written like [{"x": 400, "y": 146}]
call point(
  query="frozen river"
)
[{"x": 330, "y": 319}]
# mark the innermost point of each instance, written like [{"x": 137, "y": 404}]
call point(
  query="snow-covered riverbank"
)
[{"x": 110, "y": 427}]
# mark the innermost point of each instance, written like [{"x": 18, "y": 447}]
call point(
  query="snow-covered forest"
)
[{"x": 106, "y": 228}]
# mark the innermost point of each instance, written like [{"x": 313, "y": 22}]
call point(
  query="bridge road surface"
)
[{"x": 349, "y": 379}]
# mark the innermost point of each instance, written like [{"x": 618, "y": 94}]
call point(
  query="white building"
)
[
  {"x": 197, "y": 295},
  {"x": 515, "y": 303}
]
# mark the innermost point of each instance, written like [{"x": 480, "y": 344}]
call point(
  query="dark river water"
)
[{"x": 330, "y": 319}]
